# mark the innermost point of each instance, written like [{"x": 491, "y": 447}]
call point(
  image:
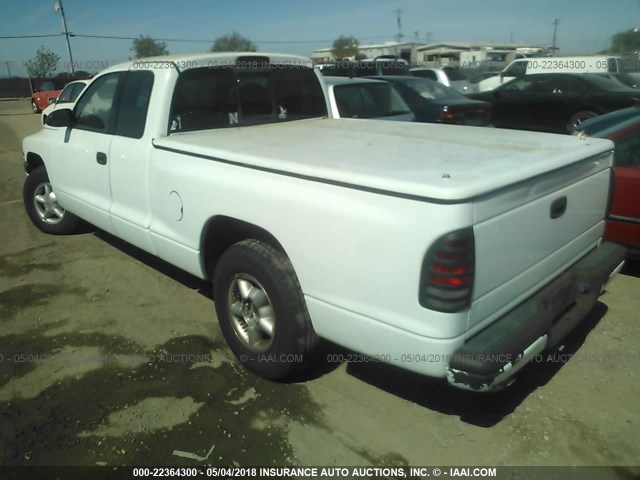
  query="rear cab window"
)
[{"x": 247, "y": 93}]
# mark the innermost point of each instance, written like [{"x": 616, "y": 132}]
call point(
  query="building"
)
[
  {"x": 449, "y": 53},
  {"x": 433, "y": 54},
  {"x": 405, "y": 50}
]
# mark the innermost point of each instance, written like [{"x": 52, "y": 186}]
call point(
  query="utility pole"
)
[
  {"x": 428, "y": 38},
  {"x": 555, "y": 31},
  {"x": 398, "y": 13},
  {"x": 58, "y": 8}
]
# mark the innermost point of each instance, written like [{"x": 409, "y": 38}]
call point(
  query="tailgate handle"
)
[{"x": 558, "y": 207}]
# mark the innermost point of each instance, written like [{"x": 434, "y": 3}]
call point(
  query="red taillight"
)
[
  {"x": 446, "y": 116},
  {"x": 447, "y": 272}
]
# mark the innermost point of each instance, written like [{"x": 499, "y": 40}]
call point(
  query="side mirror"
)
[{"x": 61, "y": 118}]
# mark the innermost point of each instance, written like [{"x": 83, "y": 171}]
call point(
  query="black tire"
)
[
  {"x": 34, "y": 107},
  {"x": 579, "y": 117},
  {"x": 288, "y": 346},
  {"x": 46, "y": 214}
]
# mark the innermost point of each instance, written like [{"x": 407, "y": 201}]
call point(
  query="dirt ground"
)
[{"x": 111, "y": 357}]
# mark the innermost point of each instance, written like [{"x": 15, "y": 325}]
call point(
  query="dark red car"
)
[
  {"x": 623, "y": 128},
  {"x": 45, "y": 95}
]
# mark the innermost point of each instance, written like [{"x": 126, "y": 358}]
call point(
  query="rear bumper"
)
[{"x": 489, "y": 360}]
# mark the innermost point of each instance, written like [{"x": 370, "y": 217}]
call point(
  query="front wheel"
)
[
  {"x": 578, "y": 118},
  {"x": 42, "y": 205},
  {"x": 261, "y": 310}
]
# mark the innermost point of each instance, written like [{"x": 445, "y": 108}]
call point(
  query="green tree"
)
[
  {"x": 146, "y": 46},
  {"x": 233, "y": 42},
  {"x": 345, "y": 46},
  {"x": 626, "y": 42},
  {"x": 43, "y": 64}
]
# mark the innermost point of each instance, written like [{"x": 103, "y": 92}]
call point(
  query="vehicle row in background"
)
[
  {"x": 403, "y": 97},
  {"x": 556, "y": 102}
]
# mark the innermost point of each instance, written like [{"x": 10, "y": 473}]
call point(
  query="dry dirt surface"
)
[{"x": 111, "y": 357}]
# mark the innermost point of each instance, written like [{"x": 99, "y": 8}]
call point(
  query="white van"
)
[{"x": 527, "y": 66}]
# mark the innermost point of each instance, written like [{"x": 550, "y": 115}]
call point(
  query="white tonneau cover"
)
[{"x": 442, "y": 162}]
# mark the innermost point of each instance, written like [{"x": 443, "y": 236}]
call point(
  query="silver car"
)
[{"x": 449, "y": 76}]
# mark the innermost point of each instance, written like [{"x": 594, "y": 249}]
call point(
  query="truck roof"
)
[
  {"x": 198, "y": 60},
  {"x": 449, "y": 163}
]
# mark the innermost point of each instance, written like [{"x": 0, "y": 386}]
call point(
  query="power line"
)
[
  {"x": 36, "y": 36},
  {"x": 186, "y": 40}
]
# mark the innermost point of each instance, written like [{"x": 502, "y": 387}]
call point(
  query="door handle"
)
[
  {"x": 558, "y": 207},
  {"x": 101, "y": 158}
]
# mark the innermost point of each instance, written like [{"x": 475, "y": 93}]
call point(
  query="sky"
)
[{"x": 299, "y": 27}]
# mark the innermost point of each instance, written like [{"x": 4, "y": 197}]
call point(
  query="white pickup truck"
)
[{"x": 452, "y": 251}]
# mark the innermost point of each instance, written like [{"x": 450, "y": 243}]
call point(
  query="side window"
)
[
  {"x": 77, "y": 90},
  {"x": 66, "y": 94},
  {"x": 516, "y": 69},
  {"x": 627, "y": 150},
  {"x": 551, "y": 84},
  {"x": 95, "y": 109},
  {"x": 134, "y": 103}
]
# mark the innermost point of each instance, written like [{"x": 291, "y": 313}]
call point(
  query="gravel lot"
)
[{"x": 111, "y": 357}]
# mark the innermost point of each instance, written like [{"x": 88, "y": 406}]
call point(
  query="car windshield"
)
[
  {"x": 454, "y": 73},
  {"x": 369, "y": 100},
  {"x": 430, "y": 89},
  {"x": 607, "y": 84}
]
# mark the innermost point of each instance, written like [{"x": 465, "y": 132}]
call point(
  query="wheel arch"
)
[
  {"x": 220, "y": 232},
  {"x": 33, "y": 161}
]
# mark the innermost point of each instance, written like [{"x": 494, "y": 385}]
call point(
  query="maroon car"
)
[{"x": 623, "y": 128}]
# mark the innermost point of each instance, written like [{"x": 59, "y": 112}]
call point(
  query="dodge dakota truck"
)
[{"x": 456, "y": 252}]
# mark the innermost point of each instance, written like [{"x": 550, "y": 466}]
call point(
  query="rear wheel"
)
[
  {"x": 261, "y": 310},
  {"x": 578, "y": 118},
  {"x": 42, "y": 205}
]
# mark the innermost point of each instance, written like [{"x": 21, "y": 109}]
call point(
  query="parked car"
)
[
  {"x": 67, "y": 96},
  {"x": 556, "y": 102},
  {"x": 448, "y": 76},
  {"x": 474, "y": 82},
  {"x": 364, "y": 68},
  {"x": 432, "y": 102},
  {"x": 623, "y": 220},
  {"x": 533, "y": 66},
  {"x": 624, "y": 78},
  {"x": 45, "y": 95},
  {"x": 365, "y": 98}
]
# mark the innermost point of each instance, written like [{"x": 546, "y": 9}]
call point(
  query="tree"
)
[
  {"x": 233, "y": 42},
  {"x": 146, "y": 46},
  {"x": 626, "y": 42},
  {"x": 344, "y": 47},
  {"x": 43, "y": 64}
]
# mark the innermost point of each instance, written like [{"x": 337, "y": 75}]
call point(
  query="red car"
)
[
  {"x": 45, "y": 95},
  {"x": 623, "y": 128}
]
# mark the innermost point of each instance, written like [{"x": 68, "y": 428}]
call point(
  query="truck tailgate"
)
[{"x": 529, "y": 234}]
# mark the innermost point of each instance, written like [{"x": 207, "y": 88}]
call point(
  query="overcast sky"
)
[{"x": 294, "y": 26}]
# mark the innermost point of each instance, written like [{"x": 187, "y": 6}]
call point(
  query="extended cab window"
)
[
  {"x": 134, "y": 103},
  {"x": 95, "y": 109},
  {"x": 206, "y": 98}
]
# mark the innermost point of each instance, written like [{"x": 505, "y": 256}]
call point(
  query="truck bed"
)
[{"x": 436, "y": 162}]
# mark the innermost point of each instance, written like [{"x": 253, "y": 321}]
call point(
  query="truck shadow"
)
[
  {"x": 479, "y": 409},
  {"x": 631, "y": 268}
]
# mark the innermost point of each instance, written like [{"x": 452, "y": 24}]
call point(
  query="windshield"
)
[
  {"x": 369, "y": 100},
  {"x": 429, "y": 89},
  {"x": 608, "y": 84},
  {"x": 454, "y": 73}
]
